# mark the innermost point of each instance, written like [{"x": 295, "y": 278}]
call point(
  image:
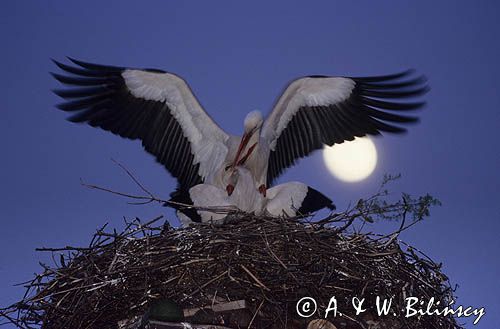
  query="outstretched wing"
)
[
  {"x": 151, "y": 105},
  {"x": 318, "y": 110}
]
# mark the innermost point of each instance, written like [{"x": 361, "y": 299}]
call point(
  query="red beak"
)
[{"x": 244, "y": 141}]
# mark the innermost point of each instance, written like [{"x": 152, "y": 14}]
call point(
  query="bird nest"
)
[{"x": 264, "y": 265}]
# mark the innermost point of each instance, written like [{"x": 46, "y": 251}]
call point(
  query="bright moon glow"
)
[{"x": 351, "y": 161}]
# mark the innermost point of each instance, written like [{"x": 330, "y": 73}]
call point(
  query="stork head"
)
[{"x": 253, "y": 122}]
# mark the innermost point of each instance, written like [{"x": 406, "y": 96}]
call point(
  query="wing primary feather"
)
[
  {"x": 391, "y": 105},
  {"x": 331, "y": 135},
  {"x": 133, "y": 120},
  {"x": 387, "y": 127},
  {"x": 102, "y": 113},
  {"x": 341, "y": 126},
  {"x": 76, "y": 81},
  {"x": 128, "y": 106},
  {"x": 79, "y": 71},
  {"x": 353, "y": 124},
  {"x": 83, "y": 103},
  {"x": 83, "y": 92},
  {"x": 121, "y": 119},
  {"x": 97, "y": 67},
  {"x": 90, "y": 114},
  {"x": 380, "y": 78},
  {"x": 389, "y": 116},
  {"x": 362, "y": 119},
  {"x": 395, "y": 85},
  {"x": 118, "y": 107},
  {"x": 395, "y": 94},
  {"x": 332, "y": 119},
  {"x": 135, "y": 128}
]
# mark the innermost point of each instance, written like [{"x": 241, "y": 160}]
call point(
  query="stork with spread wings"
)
[{"x": 160, "y": 109}]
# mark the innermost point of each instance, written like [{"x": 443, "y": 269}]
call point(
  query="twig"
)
[
  {"x": 134, "y": 179},
  {"x": 254, "y": 277},
  {"x": 255, "y": 314}
]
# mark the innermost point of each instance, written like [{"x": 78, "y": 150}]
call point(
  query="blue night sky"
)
[{"x": 237, "y": 58}]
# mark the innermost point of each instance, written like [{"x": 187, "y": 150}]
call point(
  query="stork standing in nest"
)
[{"x": 160, "y": 109}]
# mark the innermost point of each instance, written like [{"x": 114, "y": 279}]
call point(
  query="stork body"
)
[
  {"x": 287, "y": 199},
  {"x": 160, "y": 109}
]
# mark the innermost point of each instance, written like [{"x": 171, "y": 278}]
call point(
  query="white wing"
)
[
  {"x": 206, "y": 196},
  {"x": 318, "y": 110},
  {"x": 151, "y": 105}
]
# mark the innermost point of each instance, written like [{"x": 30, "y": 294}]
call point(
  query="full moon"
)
[{"x": 351, "y": 161}]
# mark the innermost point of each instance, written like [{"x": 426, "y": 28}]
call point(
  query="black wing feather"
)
[
  {"x": 370, "y": 110},
  {"x": 100, "y": 98}
]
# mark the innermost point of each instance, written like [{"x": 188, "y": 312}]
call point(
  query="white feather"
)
[
  {"x": 206, "y": 138},
  {"x": 286, "y": 198},
  {"x": 304, "y": 92},
  {"x": 206, "y": 196}
]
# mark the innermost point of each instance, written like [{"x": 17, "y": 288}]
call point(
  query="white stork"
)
[
  {"x": 160, "y": 109},
  {"x": 287, "y": 199}
]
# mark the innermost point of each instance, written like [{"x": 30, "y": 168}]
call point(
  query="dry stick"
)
[
  {"x": 254, "y": 277},
  {"x": 149, "y": 199},
  {"x": 208, "y": 282},
  {"x": 255, "y": 314},
  {"x": 219, "y": 210},
  {"x": 133, "y": 178},
  {"x": 116, "y": 236},
  {"x": 395, "y": 235},
  {"x": 138, "y": 197}
]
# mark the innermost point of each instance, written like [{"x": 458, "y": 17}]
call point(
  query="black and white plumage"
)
[
  {"x": 151, "y": 105},
  {"x": 318, "y": 110},
  {"x": 159, "y": 108}
]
